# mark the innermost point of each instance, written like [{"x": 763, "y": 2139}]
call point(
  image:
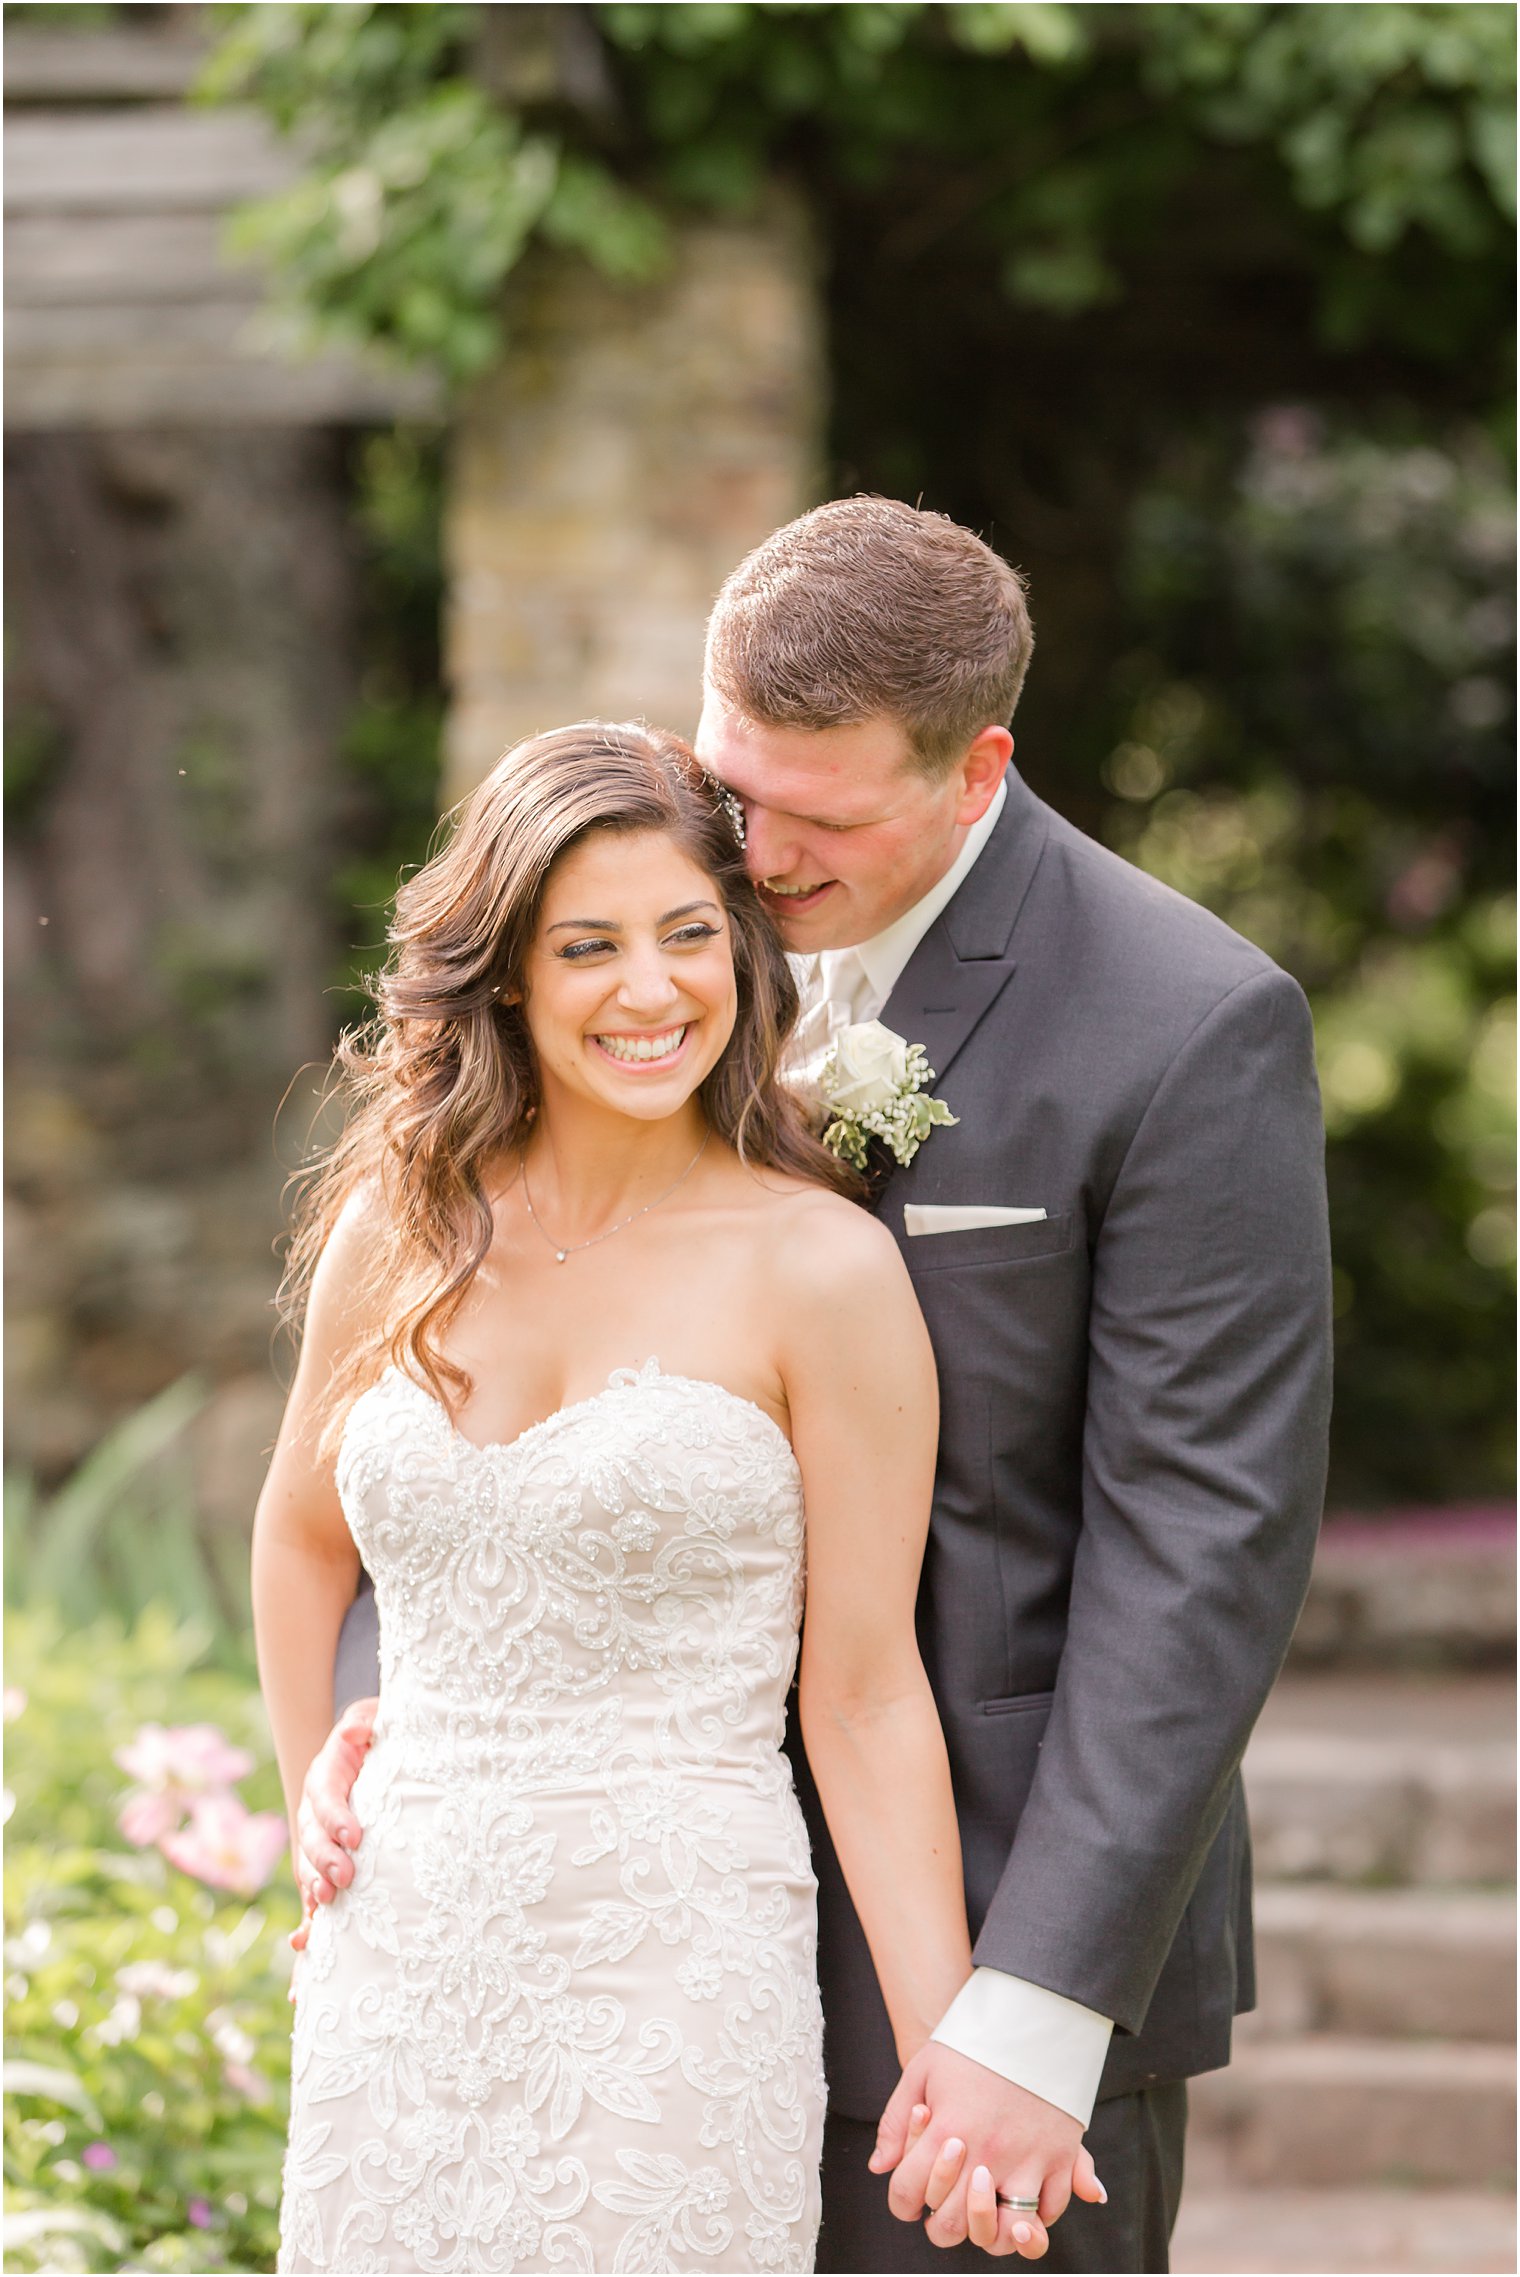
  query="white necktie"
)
[
  {"x": 848, "y": 985},
  {"x": 824, "y": 1015}
]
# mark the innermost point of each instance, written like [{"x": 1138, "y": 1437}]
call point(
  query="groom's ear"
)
[{"x": 981, "y": 769}]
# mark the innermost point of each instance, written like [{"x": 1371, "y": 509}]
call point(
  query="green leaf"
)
[
  {"x": 591, "y": 212},
  {"x": 1066, "y": 278},
  {"x": 53, "y": 2085},
  {"x": 1047, "y": 32},
  {"x": 69, "y": 1532}
]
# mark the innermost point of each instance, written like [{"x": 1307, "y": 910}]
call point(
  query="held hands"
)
[
  {"x": 326, "y": 1830},
  {"x": 959, "y": 2138}
]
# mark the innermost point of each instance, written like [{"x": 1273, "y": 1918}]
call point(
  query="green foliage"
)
[
  {"x": 1397, "y": 120},
  {"x": 122, "y": 1534},
  {"x": 145, "y": 2116},
  {"x": 1393, "y": 116},
  {"x": 445, "y": 140},
  {"x": 1318, "y": 745},
  {"x": 425, "y": 190}
]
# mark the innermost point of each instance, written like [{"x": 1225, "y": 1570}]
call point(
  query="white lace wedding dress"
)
[{"x": 566, "y": 2016}]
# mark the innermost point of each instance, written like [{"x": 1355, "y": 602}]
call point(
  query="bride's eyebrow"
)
[{"x": 611, "y": 925}]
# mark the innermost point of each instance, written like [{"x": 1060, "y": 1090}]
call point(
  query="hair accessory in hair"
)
[
  {"x": 731, "y": 807},
  {"x": 701, "y": 777}
]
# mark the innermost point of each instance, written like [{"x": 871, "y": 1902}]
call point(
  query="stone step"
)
[
  {"x": 1367, "y": 1779},
  {"x": 1419, "y": 1962},
  {"x": 1416, "y": 1588},
  {"x": 1354, "y": 2232},
  {"x": 1328, "y": 2112}
]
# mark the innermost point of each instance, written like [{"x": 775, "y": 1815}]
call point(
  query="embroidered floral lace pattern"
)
[{"x": 566, "y": 2015}]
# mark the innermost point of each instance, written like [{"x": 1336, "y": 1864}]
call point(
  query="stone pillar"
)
[
  {"x": 182, "y": 667},
  {"x": 633, "y": 445}
]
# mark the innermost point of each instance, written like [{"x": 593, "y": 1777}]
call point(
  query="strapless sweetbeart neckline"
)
[{"x": 621, "y": 1379}]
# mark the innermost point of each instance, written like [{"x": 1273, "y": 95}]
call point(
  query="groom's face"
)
[{"x": 843, "y": 831}]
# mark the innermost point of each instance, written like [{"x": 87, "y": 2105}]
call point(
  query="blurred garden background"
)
[{"x": 387, "y": 382}]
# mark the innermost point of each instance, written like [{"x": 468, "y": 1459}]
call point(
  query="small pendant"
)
[{"x": 560, "y": 1256}]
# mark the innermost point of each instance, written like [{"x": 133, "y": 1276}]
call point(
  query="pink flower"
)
[
  {"x": 226, "y": 1845},
  {"x": 192, "y": 1759},
  {"x": 176, "y": 1767},
  {"x": 155, "y": 1980},
  {"x": 145, "y": 1818},
  {"x": 98, "y": 2156},
  {"x": 198, "y": 2213}
]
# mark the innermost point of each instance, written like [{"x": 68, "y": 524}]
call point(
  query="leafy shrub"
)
[
  {"x": 1317, "y": 742},
  {"x": 442, "y": 142},
  {"x": 148, "y": 2027}
]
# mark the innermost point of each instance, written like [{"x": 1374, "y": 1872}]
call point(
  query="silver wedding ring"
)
[{"x": 1020, "y": 2205}]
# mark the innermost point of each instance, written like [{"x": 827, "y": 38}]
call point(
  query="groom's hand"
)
[
  {"x": 327, "y": 1831},
  {"x": 984, "y": 2130}
]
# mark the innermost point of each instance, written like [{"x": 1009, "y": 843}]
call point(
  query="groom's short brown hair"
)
[{"x": 868, "y": 606}]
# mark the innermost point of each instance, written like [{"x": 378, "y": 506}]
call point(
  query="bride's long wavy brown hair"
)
[{"x": 442, "y": 1085}]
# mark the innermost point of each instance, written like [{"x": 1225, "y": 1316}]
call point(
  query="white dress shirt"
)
[{"x": 1037, "y": 2038}]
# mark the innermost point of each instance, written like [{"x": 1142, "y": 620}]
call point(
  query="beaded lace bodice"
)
[{"x": 527, "y": 1577}]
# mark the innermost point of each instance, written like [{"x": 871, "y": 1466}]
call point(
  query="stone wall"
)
[{"x": 632, "y": 447}]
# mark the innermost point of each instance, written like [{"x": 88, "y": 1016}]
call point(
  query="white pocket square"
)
[{"x": 933, "y": 1217}]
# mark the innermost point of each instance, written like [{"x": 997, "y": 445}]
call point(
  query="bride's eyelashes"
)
[
  {"x": 694, "y": 933},
  {"x": 688, "y": 936}
]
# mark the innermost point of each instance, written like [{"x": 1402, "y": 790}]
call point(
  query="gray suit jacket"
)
[
  {"x": 1135, "y": 1396},
  {"x": 1134, "y": 1401}
]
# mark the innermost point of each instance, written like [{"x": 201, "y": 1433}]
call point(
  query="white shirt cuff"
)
[{"x": 1039, "y": 2039}]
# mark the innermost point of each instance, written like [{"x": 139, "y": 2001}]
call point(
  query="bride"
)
[{"x": 589, "y": 1320}]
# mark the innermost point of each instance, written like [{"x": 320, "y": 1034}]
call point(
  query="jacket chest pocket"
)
[{"x": 990, "y": 1245}]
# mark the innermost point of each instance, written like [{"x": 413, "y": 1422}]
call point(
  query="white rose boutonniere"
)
[{"x": 874, "y": 1086}]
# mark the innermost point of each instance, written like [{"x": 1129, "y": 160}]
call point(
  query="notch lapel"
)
[{"x": 965, "y": 960}]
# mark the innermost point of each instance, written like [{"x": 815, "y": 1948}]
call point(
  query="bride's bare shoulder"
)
[{"x": 815, "y": 1238}]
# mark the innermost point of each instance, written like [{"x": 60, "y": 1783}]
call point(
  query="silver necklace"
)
[{"x": 569, "y": 1250}]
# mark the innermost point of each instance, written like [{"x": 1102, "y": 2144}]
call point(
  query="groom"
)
[{"x": 1120, "y": 1250}]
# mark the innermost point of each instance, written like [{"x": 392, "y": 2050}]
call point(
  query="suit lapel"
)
[{"x": 965, "y": 960}]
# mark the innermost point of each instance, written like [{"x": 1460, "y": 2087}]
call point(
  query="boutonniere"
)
[{"x": 874, "y": 1086}]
